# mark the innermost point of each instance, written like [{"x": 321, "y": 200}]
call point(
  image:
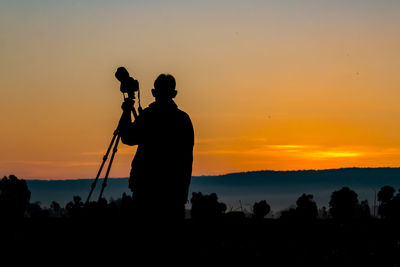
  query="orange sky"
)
[{"x": 268, "y": 84}]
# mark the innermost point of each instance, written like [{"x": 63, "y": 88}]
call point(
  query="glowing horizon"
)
[{"x": 269, "y": 85}]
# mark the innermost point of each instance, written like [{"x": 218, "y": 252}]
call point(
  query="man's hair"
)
[{"x": 165, "y": 82}]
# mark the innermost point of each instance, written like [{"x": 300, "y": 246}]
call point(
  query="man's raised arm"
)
[{"x": 128, "y": 130}]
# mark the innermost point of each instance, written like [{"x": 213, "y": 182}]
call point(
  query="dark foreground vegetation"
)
[{"x": 107, "y": 232}]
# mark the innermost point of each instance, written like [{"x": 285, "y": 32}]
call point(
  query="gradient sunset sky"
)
[{"x": 269, "y": 85}]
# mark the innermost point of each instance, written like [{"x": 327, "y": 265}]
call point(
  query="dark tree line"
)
[{"x": 343, "y": 205}]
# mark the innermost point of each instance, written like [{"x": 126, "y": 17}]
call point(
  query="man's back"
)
[{"x": 162, "y": 165}]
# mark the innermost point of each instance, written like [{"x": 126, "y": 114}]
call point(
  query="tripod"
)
[{"x": 114, "y": 141}]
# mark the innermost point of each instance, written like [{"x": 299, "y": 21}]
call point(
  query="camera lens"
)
[{"x": 122, "y": 74}]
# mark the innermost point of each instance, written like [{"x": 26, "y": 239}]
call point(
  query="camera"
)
[{"x": 128, "y": 84}]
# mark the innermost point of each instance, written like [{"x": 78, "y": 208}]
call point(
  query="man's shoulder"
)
[
  {"x": 182, "y": 113},
  {"x": 154, "y": 108},
  {"x": 184, "y": 117}
]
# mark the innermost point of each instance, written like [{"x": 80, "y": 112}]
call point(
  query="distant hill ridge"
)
[
  {"x": 352, "y": 176},
  {"x": 266, "y": 172},
  {"x": 252, "y": 182}
]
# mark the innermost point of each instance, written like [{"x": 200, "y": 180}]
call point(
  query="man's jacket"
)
[{"x": 162, "y": 166}]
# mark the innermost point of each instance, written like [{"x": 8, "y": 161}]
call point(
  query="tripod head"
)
[{"x": 128, "y": 84}]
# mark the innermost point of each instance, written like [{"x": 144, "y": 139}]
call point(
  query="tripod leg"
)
[
  {"x": 135, "y": 115},
  {"x": 101, "y": 166},
  {"x": 115, "y": 149}
]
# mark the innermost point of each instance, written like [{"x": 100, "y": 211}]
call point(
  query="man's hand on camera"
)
[{"x": 127, "y": 105}]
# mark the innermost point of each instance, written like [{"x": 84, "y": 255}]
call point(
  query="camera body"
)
[{"x": 128, "y": 84}]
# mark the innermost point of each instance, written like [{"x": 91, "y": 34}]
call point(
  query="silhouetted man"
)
[{"x": 162, "y": 167}]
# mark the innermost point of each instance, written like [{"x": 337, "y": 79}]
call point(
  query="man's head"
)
[{"x": 164, "y": 87}]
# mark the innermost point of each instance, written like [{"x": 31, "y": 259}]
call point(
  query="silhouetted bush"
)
[
  {"x": 37, "y": 212},
  {"x": 288, "y": 214},
  {"x": 112, "y": 208},
  {"x": 306, "y": 209},
  {"x": 74, "y": 209},
  {"x": 343, "y": 204},
  {"x": 34, "y": 209},
  {"x": 126, "y": 206},
  {"x": 363, "y": 211},
  {"x": 206, "y": 206},
  {"x": 261, "y": 209},
  {"x": 14, "y": 197},
  {"x": 323, "y": 213},
  {"x": 55, "y": 209}
]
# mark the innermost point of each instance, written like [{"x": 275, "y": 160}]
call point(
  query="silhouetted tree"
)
[
  {"x": 385, "y": 198},
  {"x": 206, "y": 206},
  {"x": 261, "y": 209},
  {"x": 343, "y": 204},
  {"x": 14, "y": 197},
  {"x": 306, "y": 207},
  {"x": 386, "y": 193},
  {"x": 394, "y": 208}
]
